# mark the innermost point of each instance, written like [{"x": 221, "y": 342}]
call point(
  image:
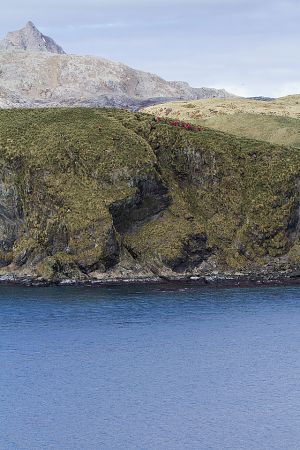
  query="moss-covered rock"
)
[{"x": 82, "y": 191}]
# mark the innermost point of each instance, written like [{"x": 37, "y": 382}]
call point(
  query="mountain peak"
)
[
  {"x": 29, "y": 39},
  {"x": 30, "y": 24}
]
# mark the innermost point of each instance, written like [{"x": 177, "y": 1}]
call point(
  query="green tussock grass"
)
[{"x": 70, "y": 165}]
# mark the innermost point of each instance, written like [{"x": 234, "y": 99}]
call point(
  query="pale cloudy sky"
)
[{"x": 249, "y": 47}]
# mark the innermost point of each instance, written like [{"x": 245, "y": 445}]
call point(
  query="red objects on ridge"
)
[{"x": 176, "y": 123}]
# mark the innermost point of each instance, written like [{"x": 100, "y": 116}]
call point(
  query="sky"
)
[{"x": 249, "y": 47}]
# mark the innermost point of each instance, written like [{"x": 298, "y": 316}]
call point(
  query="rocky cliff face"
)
[
  {"x": 34, "y": 71},
  {"x": 90, "y": 194}
]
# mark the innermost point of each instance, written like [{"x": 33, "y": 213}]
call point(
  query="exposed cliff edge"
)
[
  {"x": 35, "y": 72},
  {"x": 91, "y": 194}
]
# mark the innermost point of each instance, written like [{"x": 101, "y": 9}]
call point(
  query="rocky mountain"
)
[
  {"x": 29, "y": 39},
  {"x": 103, "y": 194},
  {"x": 35, "y": 71}
]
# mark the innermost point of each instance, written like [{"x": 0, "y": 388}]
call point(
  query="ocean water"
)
[{"x": 150, "y": 367}]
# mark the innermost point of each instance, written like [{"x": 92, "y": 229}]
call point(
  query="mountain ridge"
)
[{"x": 35, "y": 72}]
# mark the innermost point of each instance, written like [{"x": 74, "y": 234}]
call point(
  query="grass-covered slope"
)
[
  {"x": 275, "y": 121},
  {"x": 91, "y": 193}
]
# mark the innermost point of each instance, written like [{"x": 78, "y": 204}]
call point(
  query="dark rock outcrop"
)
[
  {"x": 11, "y": 216},
  {"x": 150, "y": 200},
  {"x": 194, "y": 251}
]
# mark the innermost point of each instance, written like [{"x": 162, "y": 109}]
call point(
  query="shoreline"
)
[{"x": 203, "y": 281}]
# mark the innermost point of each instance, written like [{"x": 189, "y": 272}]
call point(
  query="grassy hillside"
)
[
  {"x": 276, "y": 121},
  {"x": 107, "y": 194}
]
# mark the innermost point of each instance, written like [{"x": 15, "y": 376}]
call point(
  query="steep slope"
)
[
  {"x": 89, "y": 194},
  {"x": 31, "y": 39},
  {"x": 275, "y": 121},
  {"x": 35, "y": 72}
]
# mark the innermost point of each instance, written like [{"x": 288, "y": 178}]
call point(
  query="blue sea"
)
[{"x": 150, "y": 367}]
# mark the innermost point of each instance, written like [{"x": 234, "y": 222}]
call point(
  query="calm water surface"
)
[{"x": 149, "y": 368}]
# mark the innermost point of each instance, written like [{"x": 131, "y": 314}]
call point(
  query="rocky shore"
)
[{"x": 210, "y": 280}]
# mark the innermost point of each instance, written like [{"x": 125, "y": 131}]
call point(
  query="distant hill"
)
[
  {"x": 276, "y": 121},
  {"x": 35, "y": 71}
]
